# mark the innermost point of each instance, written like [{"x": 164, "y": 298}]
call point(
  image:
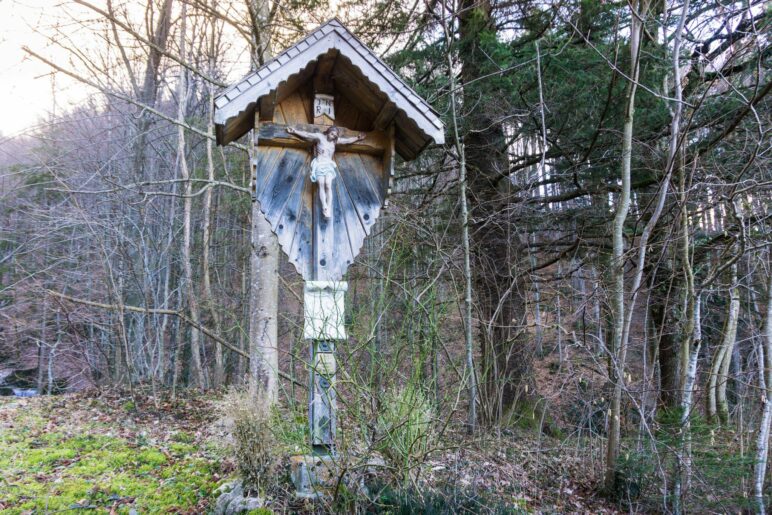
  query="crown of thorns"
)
[{"x": 332, "y": 129}]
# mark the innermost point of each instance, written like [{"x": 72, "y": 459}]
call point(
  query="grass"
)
[{"x": 53, "y": 462}]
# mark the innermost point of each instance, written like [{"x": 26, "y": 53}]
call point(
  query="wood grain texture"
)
[
  {"x": 294, "y": 109},
  {"x": 358, "y": 179},
  {"x": 344, "y": 215},
  {"x": 276, "y": 135},
  {"x": 279, "y": 189},
  {"x": 266, "y": 162},
  {"x": 322, "y": 74},
  {"x": 348, "y": 115},
  {"x": 385, "y": 116},
  {"x": 301, "y": 253},
  {"x": 289, "y": 200},
  {"x": 324, "y": 266}
]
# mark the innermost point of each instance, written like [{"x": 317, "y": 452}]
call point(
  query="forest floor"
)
[{"x": 111, "y": 453}]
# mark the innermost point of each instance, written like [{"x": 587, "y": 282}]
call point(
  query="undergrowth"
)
[
  {"x": 719, "y": 467},
  {"x": 52, "y": 463}
]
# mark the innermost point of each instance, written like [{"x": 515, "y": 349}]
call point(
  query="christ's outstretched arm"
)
[
  {"x": 348, "y": 141},
  {"x": 313, "y": 136}
]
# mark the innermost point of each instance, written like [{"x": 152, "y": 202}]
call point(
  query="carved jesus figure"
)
[{"x": 323, "y": 167}]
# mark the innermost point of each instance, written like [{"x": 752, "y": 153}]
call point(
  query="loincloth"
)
[{"x": 323, "y": 168}]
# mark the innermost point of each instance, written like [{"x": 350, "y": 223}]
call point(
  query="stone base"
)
[
  {"x": 231, "y": 500},
  {"x": 313, "y": 476}
]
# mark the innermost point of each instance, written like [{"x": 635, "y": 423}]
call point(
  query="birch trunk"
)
[
  {"x": 716, "y": 399},
  {"x": 219, "y": 367},
  {"x": 729, "y": 342},
  {"x": 690, "y": 351},
  {"x": 762, "y": 439},
  {"x": 673, "y": 146}
]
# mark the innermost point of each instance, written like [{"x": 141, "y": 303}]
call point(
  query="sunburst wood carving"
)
[{"x": 286, "y": 196}]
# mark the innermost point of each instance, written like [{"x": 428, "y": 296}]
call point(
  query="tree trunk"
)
[
  {"x": 762, "y": 439},
  {"x": 263, "y": 309},
  {"x": 177, "y": 348},
  {"x": 600, "y": 340},
  {"x": 264, "y": 256},
  {"x": 42, "y": 345},
  {"x": 187, "y": 266},
  {"x": 664, "y": 321},
  {"x": 729, "y": 341},
  {"x": 149, "y": 92},
  {"x": 690, "y": 351},
  {"x": 499, "y": 290},
  {"x": 219, "y": 368},
  {"x": 618, "y": 350},
  {"x": 164, "y": 351},
  {"x": 716, "y": 399},
  {"x": 537, "y": 318},
  {"x": 471, "y": 373}
]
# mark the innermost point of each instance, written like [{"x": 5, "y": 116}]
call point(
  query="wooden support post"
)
[
  {"x": 324, "y": 308},
  {"x": 263, "y": 297}
]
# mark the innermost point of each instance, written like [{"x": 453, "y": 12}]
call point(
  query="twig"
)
[{"x": 172, "y": 312}]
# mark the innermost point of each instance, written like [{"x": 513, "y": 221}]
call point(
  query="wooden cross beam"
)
[{"x": 276, "y": 135}]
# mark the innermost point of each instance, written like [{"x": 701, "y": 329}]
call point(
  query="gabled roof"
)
[{"x": 379, "y": 90}]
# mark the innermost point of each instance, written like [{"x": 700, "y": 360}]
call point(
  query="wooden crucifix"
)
[
  {"x": 323, "y": 167},
  {"x": 332, "y": 80},
  {"x": 321, "y": 198},
  {"x": 322, "y": 187}
]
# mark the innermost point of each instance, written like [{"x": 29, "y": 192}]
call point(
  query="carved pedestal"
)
[{"x": 323, "y": 325}]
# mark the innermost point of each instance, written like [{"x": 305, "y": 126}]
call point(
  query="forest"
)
[{"x": 565, "y": 307}]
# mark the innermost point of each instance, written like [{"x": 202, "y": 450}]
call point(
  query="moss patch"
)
[
  {"x": 531, "y": 414},
  {"x": 53, "y": 462}
]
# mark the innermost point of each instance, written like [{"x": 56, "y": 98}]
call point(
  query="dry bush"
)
[{"x": 254, "y": 443}]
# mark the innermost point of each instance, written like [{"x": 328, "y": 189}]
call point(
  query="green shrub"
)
[{"x": 406, "y": 429}]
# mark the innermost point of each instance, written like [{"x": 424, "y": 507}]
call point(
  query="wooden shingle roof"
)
[{"x": 362, "y": 77}]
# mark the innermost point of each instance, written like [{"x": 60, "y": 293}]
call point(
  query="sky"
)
[{"x": 26, "y": 84}]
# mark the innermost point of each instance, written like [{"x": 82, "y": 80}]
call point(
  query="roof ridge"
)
[
  {"x": 388, "y": 68},
  {"x": 252, "y": 73},
  {"x": 335, "y": 20},
  {"x": 332, "y": 22},
  {"x": 332, "y": 34}
]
